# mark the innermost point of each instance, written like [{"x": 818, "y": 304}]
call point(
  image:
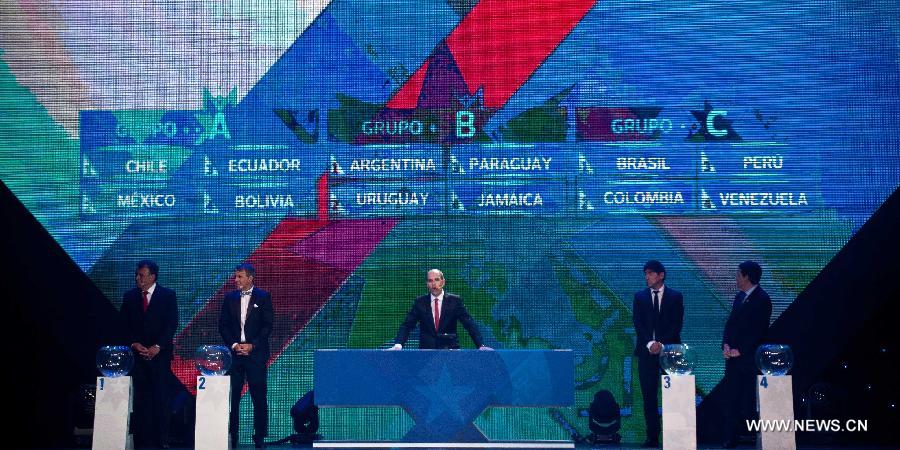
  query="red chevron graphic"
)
[{"x": 499, "y": 44}]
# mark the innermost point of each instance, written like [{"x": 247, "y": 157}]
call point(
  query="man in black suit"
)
[
  {"x": 437, "y": 314},
  {"x": 150, "y": 315},
  {"x": 744, "y": 332},
  {"x": 658, "y": 314},
  {"x": 245, "y": 324}
]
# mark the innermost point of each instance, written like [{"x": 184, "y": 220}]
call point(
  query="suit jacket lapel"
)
[
  {"x": 742, "y": 304},
  {"x": 755, "y": 292},
  {"x": 749, "y": 298},
  {"x": 236, "y": 308},
  {"x": 153, "y": 300},
  {"x": 250, "y": 308},
  {"x": 445, "y": 306},
  {"x": 647, "y": 306}
]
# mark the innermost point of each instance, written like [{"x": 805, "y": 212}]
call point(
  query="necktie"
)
[
  {"x": 437, "y": 315},
  {"x": 656, "y": 302},
  {"x": 146, "y": 303}
]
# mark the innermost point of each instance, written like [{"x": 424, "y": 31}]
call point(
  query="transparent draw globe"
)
[
  {"x": 213, "y": 360},
  {"x": 678, "y": 359},
  {"x": 774, "y": 359},
  {"x": 115, "y": 360}
]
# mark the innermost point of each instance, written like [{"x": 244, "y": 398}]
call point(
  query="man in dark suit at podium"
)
[
  {"x": 658, "y": 314},
  {"x": 744, "y": 332},
  {"x": 437, "y": 314},
  {"x": 150, "y": 315},
  {"x": 245, "y": 325}
]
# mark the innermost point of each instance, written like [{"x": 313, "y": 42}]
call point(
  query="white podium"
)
[
  {"x": 679, "y": 412},
  {"x": 213, "y": 407},
  {"x": 775, "y": 402},
  {"x": 112, "y": 409}
]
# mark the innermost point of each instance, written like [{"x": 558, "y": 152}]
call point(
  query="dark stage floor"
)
[{"x": 622, "y": 446}]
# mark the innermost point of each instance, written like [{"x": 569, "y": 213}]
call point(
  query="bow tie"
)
[{"x": 243, "y": 293}]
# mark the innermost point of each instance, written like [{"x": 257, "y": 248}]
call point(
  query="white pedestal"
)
[
  {"x": 775, "y": 401},
  {"x": 679, "y": 412},
  {"x": 111, "y": 412},
  {"x": 213, "y": 406}
]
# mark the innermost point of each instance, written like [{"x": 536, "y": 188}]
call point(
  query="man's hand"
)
[
  {"x": 485, "y": 347},
  {"x": 396, "y": 347},
  {"x": 735, "y": 353},
  {"x": 243, "y": 349},
  {"x": 727, "y": 351},
  {"x": 152, "y": 352},
  {"x": 655, "y": 348},
  {"x": 142, "y": 351}
]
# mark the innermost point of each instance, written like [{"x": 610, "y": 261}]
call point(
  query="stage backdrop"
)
[{"x": 538, "y": 152}]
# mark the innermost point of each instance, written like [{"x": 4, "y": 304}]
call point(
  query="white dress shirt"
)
[{"x": 245, "y": 308}]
